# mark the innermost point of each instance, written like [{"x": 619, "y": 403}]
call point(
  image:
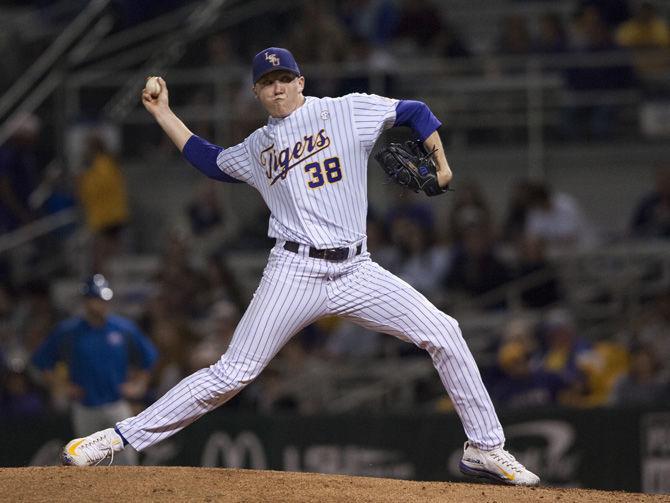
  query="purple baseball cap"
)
[{"x": 271, "y": 59}]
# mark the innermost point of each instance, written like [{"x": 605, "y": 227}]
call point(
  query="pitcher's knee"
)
[
  {"x": 441, "y": 325},
  {"x": 212, "y": 386},
  {"x": 235, "y": 371},
  {"x": 449, "y": 323},
  {"x": 440, "y": 333}
]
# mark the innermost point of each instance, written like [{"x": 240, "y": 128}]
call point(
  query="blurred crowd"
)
[
  {"x": 600, "y": 51},
  {"x": 472, "y": 259},
  {"x": 548, "y": 362},
  {"x": 537, "y": 357}
]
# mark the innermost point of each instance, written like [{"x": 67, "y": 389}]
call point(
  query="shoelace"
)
[
  {"x": 505, "y": 458},
  {"x": 91, "y": 449}
]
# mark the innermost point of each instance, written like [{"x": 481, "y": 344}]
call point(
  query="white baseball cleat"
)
[
  {"x": 497, "y": 465},
  {"x": 91, "y": 450}
]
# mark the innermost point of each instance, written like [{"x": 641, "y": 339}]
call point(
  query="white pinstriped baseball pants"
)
[{"x": 296, "y": 290}]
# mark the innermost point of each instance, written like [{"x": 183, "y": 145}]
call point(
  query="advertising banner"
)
[{"x": 614, "y": 449}]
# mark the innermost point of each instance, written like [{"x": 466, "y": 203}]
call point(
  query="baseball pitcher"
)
[{"x": 309, "y": 163}]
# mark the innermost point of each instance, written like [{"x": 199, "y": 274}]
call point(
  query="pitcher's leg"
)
[
  {"x": 380, "y": 301},
  {"x": 190, "y": 399},
  {"x": 289, "y": 297}
]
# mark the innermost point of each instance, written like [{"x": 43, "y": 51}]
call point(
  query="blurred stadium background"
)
[{"x": 553, "y": 252}]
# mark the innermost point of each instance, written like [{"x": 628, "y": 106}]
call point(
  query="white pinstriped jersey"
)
[{"x": 311, "y": 167}]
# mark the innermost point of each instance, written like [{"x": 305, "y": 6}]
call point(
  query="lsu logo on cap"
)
[{"x": 272, "y": 58}]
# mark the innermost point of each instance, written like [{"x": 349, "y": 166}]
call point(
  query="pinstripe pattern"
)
[
  {"x": 379, "y": 301},
  {"x": 288, "y": 298},
  {"x": 297, "y": 290},
  {"x": 294, "y": 292},
  {"x": 330, "y": 216}
]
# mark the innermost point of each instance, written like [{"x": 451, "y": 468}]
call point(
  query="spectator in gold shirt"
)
[
  {"x": 644, "y": 32},
  {"x": 103, "y": 196}
]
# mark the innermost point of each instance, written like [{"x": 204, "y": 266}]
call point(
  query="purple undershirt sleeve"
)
[
  {"x": 202, "y": 155},
  {"x": 416, "y": 115}
]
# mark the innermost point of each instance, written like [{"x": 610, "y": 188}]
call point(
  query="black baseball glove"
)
[{"x": 408, "y": 164}]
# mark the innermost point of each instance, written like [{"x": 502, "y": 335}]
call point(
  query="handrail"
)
[
  {"x": 31, "y": 24},
  {"x": 53, "y": 77},
  {"x": 133, "y": 35},
  {"x": 199, "y": 18},
  {"x": 199, "y": 24},
  {"x": 37, "y": 229},
  {"x": 51, "y": 55}
]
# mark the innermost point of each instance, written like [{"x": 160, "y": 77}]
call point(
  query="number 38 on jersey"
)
[{"x": 329, "y": 171}]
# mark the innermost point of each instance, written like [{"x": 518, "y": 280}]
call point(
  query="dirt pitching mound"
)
[{"x": 119, "y": 484}]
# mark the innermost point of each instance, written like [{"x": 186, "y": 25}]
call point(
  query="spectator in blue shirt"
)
[{"x": 107, "y": 357}]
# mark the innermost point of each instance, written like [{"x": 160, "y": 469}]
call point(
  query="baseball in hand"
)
[{"x": 153, "y": 87}]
